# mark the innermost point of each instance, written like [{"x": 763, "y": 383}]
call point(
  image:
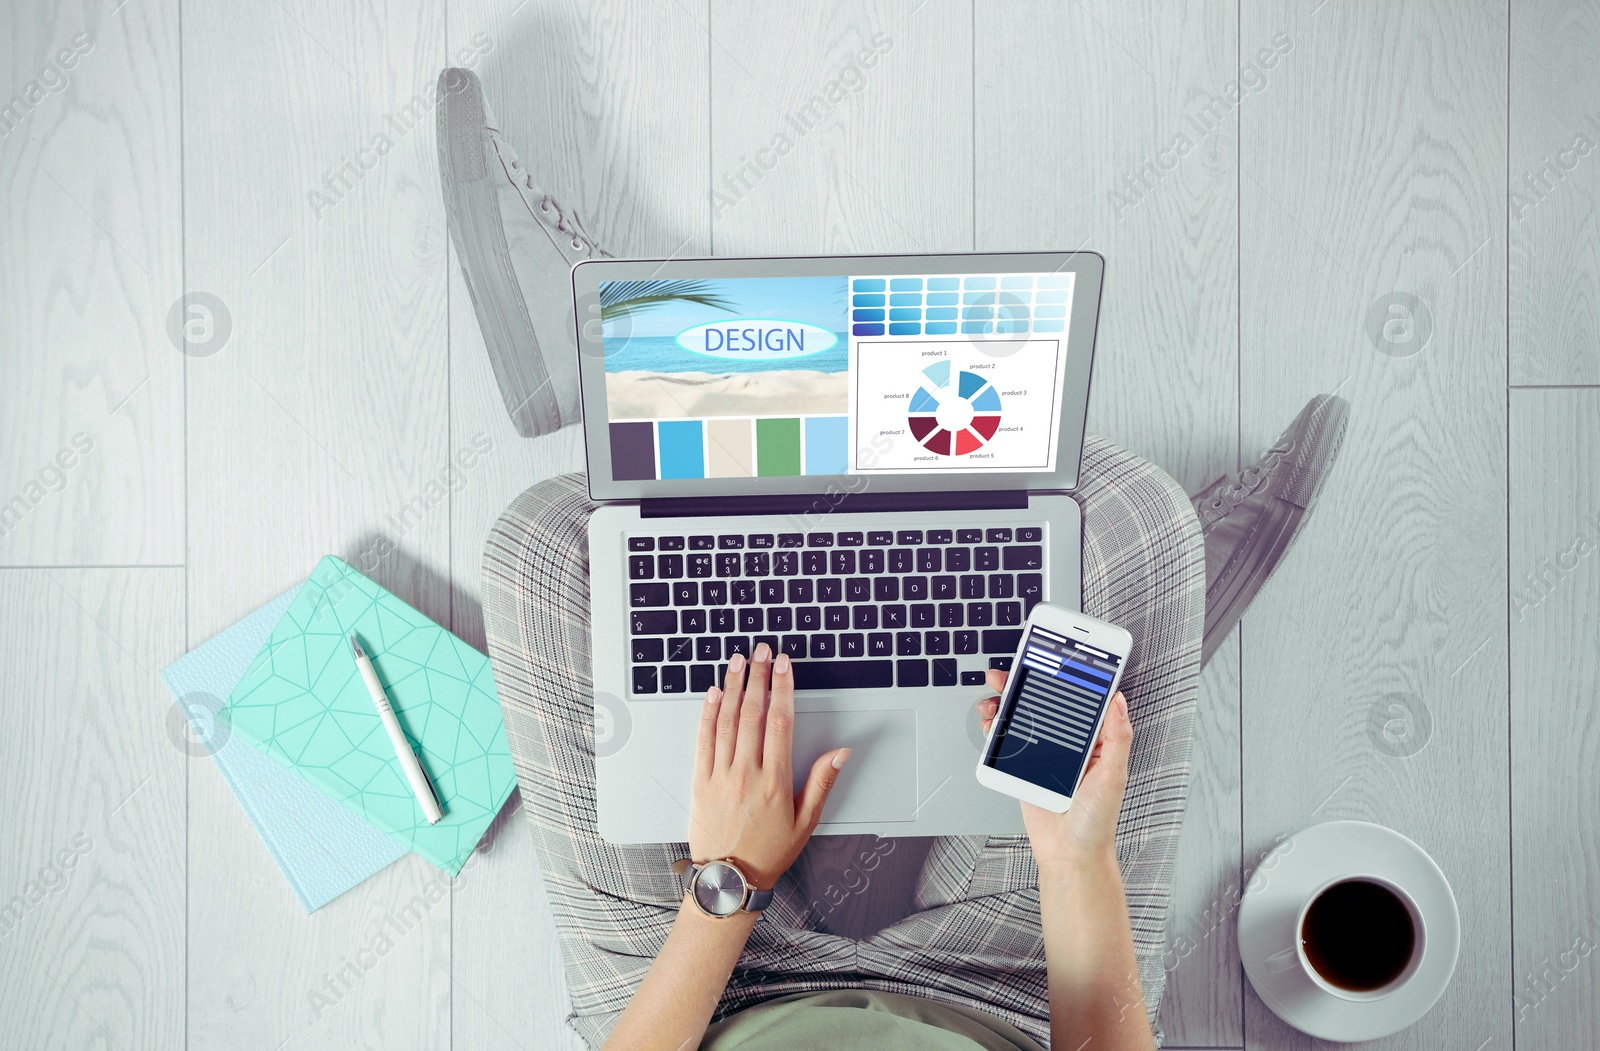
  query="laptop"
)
[{"x": 864, "y": 462}]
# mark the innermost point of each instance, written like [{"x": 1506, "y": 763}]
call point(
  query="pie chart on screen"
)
[{"x": 954, "y": 412}]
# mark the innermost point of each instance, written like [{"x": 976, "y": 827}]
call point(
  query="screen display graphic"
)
[
  {"x": 785, "y": 376},
  {"x": 1062, "y": 687}
]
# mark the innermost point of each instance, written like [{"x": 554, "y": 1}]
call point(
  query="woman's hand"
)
[
  {"x": 744, "y": 806},
  {"x": 1086, "y": 833}
]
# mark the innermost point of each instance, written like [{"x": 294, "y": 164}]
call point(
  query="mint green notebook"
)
[{"x": 302, "y": 702}]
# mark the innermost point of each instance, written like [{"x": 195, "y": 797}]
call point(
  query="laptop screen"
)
[{"x": 918, "y": 376}]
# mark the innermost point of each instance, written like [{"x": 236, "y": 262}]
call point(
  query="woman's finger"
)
[
  {"x": 996, "y": 680},
  {"x": 753, "y": 707},
  {"x": 777, "y": 749},
  {"x": 728, "y": 716},
  {"x": 705, "y": 750}
]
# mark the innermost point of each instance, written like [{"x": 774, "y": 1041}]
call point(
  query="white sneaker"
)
[{"x": 517, "y": 247}]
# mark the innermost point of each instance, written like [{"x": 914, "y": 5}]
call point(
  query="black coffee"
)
[{"x": 1358, "y": 935}]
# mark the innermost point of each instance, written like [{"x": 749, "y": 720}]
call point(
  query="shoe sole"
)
[
  {"x": 472, "y": 208},
  {"x": 1248, "y": 571}
]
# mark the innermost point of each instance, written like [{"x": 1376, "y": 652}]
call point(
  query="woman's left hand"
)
[{"x": 744, "y": 805}]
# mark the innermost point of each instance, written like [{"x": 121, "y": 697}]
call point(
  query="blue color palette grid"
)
[{"x": 966, "y": 305}]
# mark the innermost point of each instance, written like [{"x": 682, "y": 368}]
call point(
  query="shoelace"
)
[
  {"x": 568, "y": 225},
  {"x": 1249, "y": 478}
]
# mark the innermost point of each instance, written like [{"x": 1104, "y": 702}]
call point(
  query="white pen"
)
[{"x": 397, "y": 737}]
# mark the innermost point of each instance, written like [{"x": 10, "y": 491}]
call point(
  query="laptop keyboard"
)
[{"x": 871, "y": 609}]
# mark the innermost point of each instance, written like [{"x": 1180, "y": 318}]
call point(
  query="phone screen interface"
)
[{"x": 1061, "y": 687}]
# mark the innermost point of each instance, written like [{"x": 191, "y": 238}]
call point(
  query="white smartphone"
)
[{"x": 1062, "y": 680}]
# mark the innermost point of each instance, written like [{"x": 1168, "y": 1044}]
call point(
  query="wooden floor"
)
[{"x": 271, "y": 154}]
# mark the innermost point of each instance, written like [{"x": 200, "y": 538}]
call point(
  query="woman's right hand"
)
[{"x": 1086, "y": 833}]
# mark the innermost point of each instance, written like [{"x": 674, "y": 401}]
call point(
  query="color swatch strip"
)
[
  {"x": 750, "y": 447},
  {"x": 978, "y": 304}
]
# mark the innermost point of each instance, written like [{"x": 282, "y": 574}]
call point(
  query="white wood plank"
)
[
  {"x": 1081, "y": 109},
  {"x": 581, "y": 91},
  {"x": 1554, "y": 187},
  {"x": 1555, "y": 728},
  {"x": 91, "y": 390},
  {"x": 1377, "y": 165},
  {"x": 92, "y": 848},
  {"x": 841, "y": 127},
  {"x": 312, "y": 210}
]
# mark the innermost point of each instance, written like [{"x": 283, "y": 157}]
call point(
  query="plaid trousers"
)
[{"x": 973, "y": 936}]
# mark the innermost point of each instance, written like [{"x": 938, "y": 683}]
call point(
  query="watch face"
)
[{"x": 719, "y": 889}]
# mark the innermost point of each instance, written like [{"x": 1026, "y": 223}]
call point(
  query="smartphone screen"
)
[{"x": 1060, "y": 687}]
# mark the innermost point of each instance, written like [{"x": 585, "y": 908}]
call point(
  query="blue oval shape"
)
[{"x": 756, "y": 339}]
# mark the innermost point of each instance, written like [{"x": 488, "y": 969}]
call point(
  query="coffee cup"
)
[{"x": 1357, "y": 937}]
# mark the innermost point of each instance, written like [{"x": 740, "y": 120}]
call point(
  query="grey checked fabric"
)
[{"x": 974, "y": 936}]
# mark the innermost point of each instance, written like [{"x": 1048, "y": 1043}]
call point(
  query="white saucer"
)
[{"x": 1287, "y": 877}]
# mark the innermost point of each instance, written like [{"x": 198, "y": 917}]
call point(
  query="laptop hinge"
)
[{"x": 831, "y": 503}]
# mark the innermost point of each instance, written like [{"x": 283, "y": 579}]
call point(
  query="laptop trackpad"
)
[{"x": 879, "y": 783}]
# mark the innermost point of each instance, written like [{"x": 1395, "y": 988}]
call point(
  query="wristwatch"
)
[{"x": 720, "y": 888}]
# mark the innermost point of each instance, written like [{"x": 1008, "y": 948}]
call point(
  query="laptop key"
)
[
  {"x": 814, "y": 563},
  {"x": 951, "y": 614},
  {"x": 641, "y": 567},
  {"x": 986, "y": 559},
  {"x": 1008, "y": 613},
  {"x": 702, "y": 543},
  {"x": 944, "y": 672},
  {"x": 843, "y": 675},
  {"x": 966, "y": 642},
  {"x": 915, "y": 588},
  {"x": 852, "y": 644},
  {"x": 911, "y": 673},
  {"x": 969, "y": 536},
  {"x": 908, "y": 537},
  {"x": 645, "y": 595},
  {"x": 730, "y": 542},
  {"x": 654, "y": 621},
  {"x": 871, "y": 561},
  {"x": 944, "y": 587},
  {"x": 674, "y": 679},
  {"x": 1003, "y": 663},
  {"x": 686, "y": 593},
  {"x": 998, "y": 536},
  {"x": 694, "y": 621},
  {"x": 880, "y": 538},
  {"x": 907, "y": 643},
  {"x": 728, "y": 565},
  {"x": 757, "y": 564},
  {"x": 843, "y": 563},
  {"x": 850, "y": 539},
  {"x": 670, "y": 543},
  {"x": 980, "y": 614},
  {"x": 822, "y": 646},
  {"x": 935, "y": 643},
  {"x": 708, "y": 648},
  {"x": 858, "y": 589},
  {"x": 880, "y": 644},
  {"x": 885, "y": 589},
  {"x": 972, "y": 585},
  {"x": 808, "y": 618},
  {"x": 780, "y": 618},
  {"x": 922, "y": 615},
  {"x": 702, "y": 677},
  {"x": 785, "y": 563},
  {"x": 940, "y": 536},
  {"x": 1028, "y": 604},
  {"x": 714, "y": 592},
  {"x": 744, "y": 592},
  {"x": 865, "y": 618},
  {"x": 894, "y": 615},
  {"x": 972, "y": 678},
  {"x": 752, "y": 619},
  {"x": 830, "y": 589},
  {"x": 1000, "y": 585},
  {"x": 680, "y": 650},
  {"x": 644, "y": 680},
  {"x": 641, "y": 543},
  {"x": 1001, "y": 640},
  {"x": 759, "y": 540},
  {"x": 819, "y": 539},
  {"x": 669, "y": 567},
  {"x": 791, "y": 540},
  {"x": 836, "y": 618},
  {"x": 1030, "y": 585},
  {"x": 722, "y": 621},
  {"x": 957, "y": 559},
  {"x": 735, "y": 644},
  {"x": 648, "y": 651},
  {"x": 794, "y": 646},
  {"x": 700, "y": 566},
  {"x": 1023, "y": 557},
  {"x": 929, "y": 560},
  {"x": 770, "y": 640},
  {"x": 771, "y": 592},
  {"x": 1030, "y": 535},
  {"x": 902, "y": 560}
]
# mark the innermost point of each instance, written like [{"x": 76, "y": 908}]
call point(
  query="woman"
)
[{"x": 744, "y": 808}]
